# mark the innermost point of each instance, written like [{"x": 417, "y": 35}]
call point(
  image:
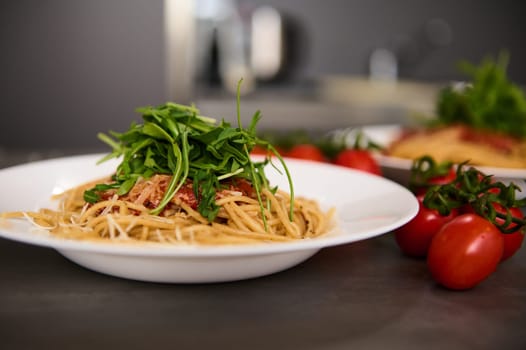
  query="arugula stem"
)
[
  {"x": 226, "y": 176},
  {"x": 289, "y": 179},
  {"x": 175, "y": 183}
]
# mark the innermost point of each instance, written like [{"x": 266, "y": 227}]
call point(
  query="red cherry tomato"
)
[
  {"x": 512, "y": 241},
  {"x": 464, "y": 252},
  {"x": 359, "y": 159},
  {"x": 415, "y": 237},
  {"x": 259, "y": 150},
  {"x": 438, "y": 180},
  {"x": 306, "y": 151},
  {"x": 444, "y": 179}
]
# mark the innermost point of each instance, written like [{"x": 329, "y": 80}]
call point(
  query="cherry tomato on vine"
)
[
  {"x": 444, "y": 179},
  {"x": 306, "y": 151},
  {"x": 426, "y": 172},
  {"x": 259, "y": 150},
  {"x": 464, "y": 252},
  {"x": 438, "y": 180},
  {"x": 414, "y": 237},
  {"x": 512, "y": 241},
  {"x": 359, "y": 159}
]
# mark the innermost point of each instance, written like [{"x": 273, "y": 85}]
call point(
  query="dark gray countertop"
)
[{"x": 364, "y": 295}]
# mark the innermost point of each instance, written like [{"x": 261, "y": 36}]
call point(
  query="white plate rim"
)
[{"x": 160, "y": 250}]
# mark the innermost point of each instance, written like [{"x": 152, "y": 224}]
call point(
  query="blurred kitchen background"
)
[{"x": 72, "y": 68}]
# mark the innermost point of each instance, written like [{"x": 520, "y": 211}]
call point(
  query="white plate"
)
[
  {"x": 366, "y": 205},
  {"x": 398, "y": 169}
]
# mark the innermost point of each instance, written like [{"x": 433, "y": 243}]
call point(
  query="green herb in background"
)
[{"x": 490, "y": 101}]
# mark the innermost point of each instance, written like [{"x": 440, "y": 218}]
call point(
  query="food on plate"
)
[
  {"x": 483, "y": 121},
  {"x": 184, "y": 178},
  {"x": 458, "y": 143}
]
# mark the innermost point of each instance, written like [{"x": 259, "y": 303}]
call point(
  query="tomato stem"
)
[{"x": 470, "y": 188}]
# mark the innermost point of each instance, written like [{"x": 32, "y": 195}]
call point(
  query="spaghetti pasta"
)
[
  {"x": 184, "y": 178},
  {"x": 458, "y": 144},
  {"x": 481, "y": 121},
  {"x": 239, "y": 220}
]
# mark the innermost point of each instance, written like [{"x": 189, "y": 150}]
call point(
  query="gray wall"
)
[
  {"x": 342, "y": 33},
  {"x": 71, "y": 68}
]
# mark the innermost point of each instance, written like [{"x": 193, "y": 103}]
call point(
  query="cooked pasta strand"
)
[{"x": 238, "y": 222}]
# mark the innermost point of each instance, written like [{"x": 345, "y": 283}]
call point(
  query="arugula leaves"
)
[
  {"x": 491, "y": 101},
  {"x": 176, "y": 140}
]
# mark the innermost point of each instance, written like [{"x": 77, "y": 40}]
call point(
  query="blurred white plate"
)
[
  {"x": 398, "y": 169},
  {"x": 366, "y": 205}
]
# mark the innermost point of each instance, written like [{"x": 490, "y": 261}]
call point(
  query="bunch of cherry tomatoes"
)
[
  {"x": 466, "y": 225},
  {"x": 328, "y": 150}
]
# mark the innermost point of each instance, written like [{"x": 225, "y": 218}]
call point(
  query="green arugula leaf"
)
[{"x": 176, "y": 140}]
